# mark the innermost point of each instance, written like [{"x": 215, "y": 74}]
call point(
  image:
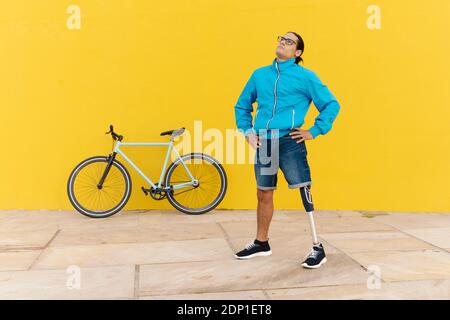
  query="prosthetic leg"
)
[
  {"x": 317, "y": 255},
  {"x": 309, "y": 207}
]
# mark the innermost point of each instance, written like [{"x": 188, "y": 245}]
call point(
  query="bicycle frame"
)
[{"x": 170, "y": 148}]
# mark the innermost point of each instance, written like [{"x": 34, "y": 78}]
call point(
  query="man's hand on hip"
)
[
  {"x": 253, "y": 139},
  {"x": 300, "y": 135}
]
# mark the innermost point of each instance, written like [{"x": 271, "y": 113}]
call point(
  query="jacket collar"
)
[{"x": 282, "y": 65}]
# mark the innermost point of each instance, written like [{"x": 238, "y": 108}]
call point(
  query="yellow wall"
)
[{"x": 149, "y": 66}]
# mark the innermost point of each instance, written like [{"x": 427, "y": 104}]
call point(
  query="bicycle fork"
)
[{"x": 111, "y": 158}]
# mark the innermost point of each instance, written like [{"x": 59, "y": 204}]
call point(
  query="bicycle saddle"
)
[{"x": 174, "y": 133}]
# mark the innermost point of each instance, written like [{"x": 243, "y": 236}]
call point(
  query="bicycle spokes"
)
[
  {"x": 87, "y": 193},
  {"x": 209, "y": 188}
]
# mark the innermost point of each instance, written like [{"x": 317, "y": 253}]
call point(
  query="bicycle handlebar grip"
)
[
  {"x": 110, "y": 129},
  {"x": 114, "y": 135}
]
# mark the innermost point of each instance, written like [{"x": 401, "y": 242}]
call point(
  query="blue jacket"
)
[{"x": 284, "y": 91}]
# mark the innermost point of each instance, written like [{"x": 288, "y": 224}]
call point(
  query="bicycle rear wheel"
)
[
  {"x": 95, "y": 202},
  {"x": 210, "y": 191}
]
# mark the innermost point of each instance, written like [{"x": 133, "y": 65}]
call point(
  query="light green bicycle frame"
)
[{"x": 170, "y": 148}]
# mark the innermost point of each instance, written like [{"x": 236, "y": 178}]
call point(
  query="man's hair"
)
[{"x": 300, "y": 46}]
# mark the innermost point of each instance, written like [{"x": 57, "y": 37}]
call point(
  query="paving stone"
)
[
  {"x": 302, "y": 227},
  {"x": 439, "y": 237},
  {"x": 100, "y": 283},
  {"x": 405, "y": 221},
  {"x": 234, "y": 295},
  {"x": 20, "y": 239},
  {"x": 429, "y": 290},
  {"x": 407, "y": 265},
  {"x": 152, "y": 233},
  {"x": 133, "y": 253},
  {"x": 233, "y": 275},
  {"x": 17, "y": 260},
  {"x": 374, "y": 241}
]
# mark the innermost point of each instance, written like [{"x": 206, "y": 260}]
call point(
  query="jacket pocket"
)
[
  {"x": 256, "y": 117},
  {"x": 259, "y": 115}
]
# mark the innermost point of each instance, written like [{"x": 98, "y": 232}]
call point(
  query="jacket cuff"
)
[
  {"x": 315, "y": 131},
  {"x": 248, "y": 131}
]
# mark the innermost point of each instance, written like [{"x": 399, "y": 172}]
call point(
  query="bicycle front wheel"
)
[
  {"x": 204, "y": 197},
  {"x": 92, "y": 201}
]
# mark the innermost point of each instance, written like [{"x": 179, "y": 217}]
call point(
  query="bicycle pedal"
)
[{"x": 146, "y": 191}]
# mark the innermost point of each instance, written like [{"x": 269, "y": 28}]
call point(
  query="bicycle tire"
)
[
  {"x": 86, "y": 211},
  {"x": 215, "y": 202}
]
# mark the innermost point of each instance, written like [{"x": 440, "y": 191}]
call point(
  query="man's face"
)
[{"x": 287, "y": 51}]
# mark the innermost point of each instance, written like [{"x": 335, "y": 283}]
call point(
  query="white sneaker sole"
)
[
  {"x": 258, "y": 254},
  {"x": 316, "y": 266}
]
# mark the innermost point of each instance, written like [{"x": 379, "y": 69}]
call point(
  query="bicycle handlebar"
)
[{"x": 114, "y": 135}]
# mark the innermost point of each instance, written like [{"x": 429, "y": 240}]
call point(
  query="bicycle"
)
[{"x": 100, "y": 186}]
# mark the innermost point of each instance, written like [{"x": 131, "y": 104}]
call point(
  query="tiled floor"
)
[{"x": 170, "y": 255}]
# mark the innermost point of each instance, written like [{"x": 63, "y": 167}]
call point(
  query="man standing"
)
[{"x": 284, "y": 91}]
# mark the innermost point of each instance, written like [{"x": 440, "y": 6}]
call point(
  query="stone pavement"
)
[{"x": 171, "y": 255}]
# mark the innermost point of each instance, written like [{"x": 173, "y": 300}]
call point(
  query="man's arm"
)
[
  {"x": 326, "y": 104},
  {"x": 244, "y": 107}
]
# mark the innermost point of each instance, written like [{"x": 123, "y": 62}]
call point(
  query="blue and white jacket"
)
[{"x": 284, "y": 91}]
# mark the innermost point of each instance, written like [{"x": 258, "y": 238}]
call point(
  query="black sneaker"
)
[
  {"x": 315, "y": 258},
  {"x": 254, "y": 249}
]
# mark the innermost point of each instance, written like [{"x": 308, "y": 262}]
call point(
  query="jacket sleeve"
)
[
  {"x": 244, "y": 107},
  {"x": 326, "y": 104}
]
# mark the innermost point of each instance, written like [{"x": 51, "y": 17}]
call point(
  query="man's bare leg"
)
[
  {"x": 264, "y": 213},
  {"x": 260, "y": 246}
]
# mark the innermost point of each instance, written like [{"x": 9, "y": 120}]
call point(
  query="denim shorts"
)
[{"x": 285, "y": 153}]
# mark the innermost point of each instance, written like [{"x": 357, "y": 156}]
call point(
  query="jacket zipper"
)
[
  {"x": 293, "y": 117},
  {"x": 275, "y": 96}
]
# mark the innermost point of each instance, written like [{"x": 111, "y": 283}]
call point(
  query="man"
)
[{"x": 284, "y": 91}]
